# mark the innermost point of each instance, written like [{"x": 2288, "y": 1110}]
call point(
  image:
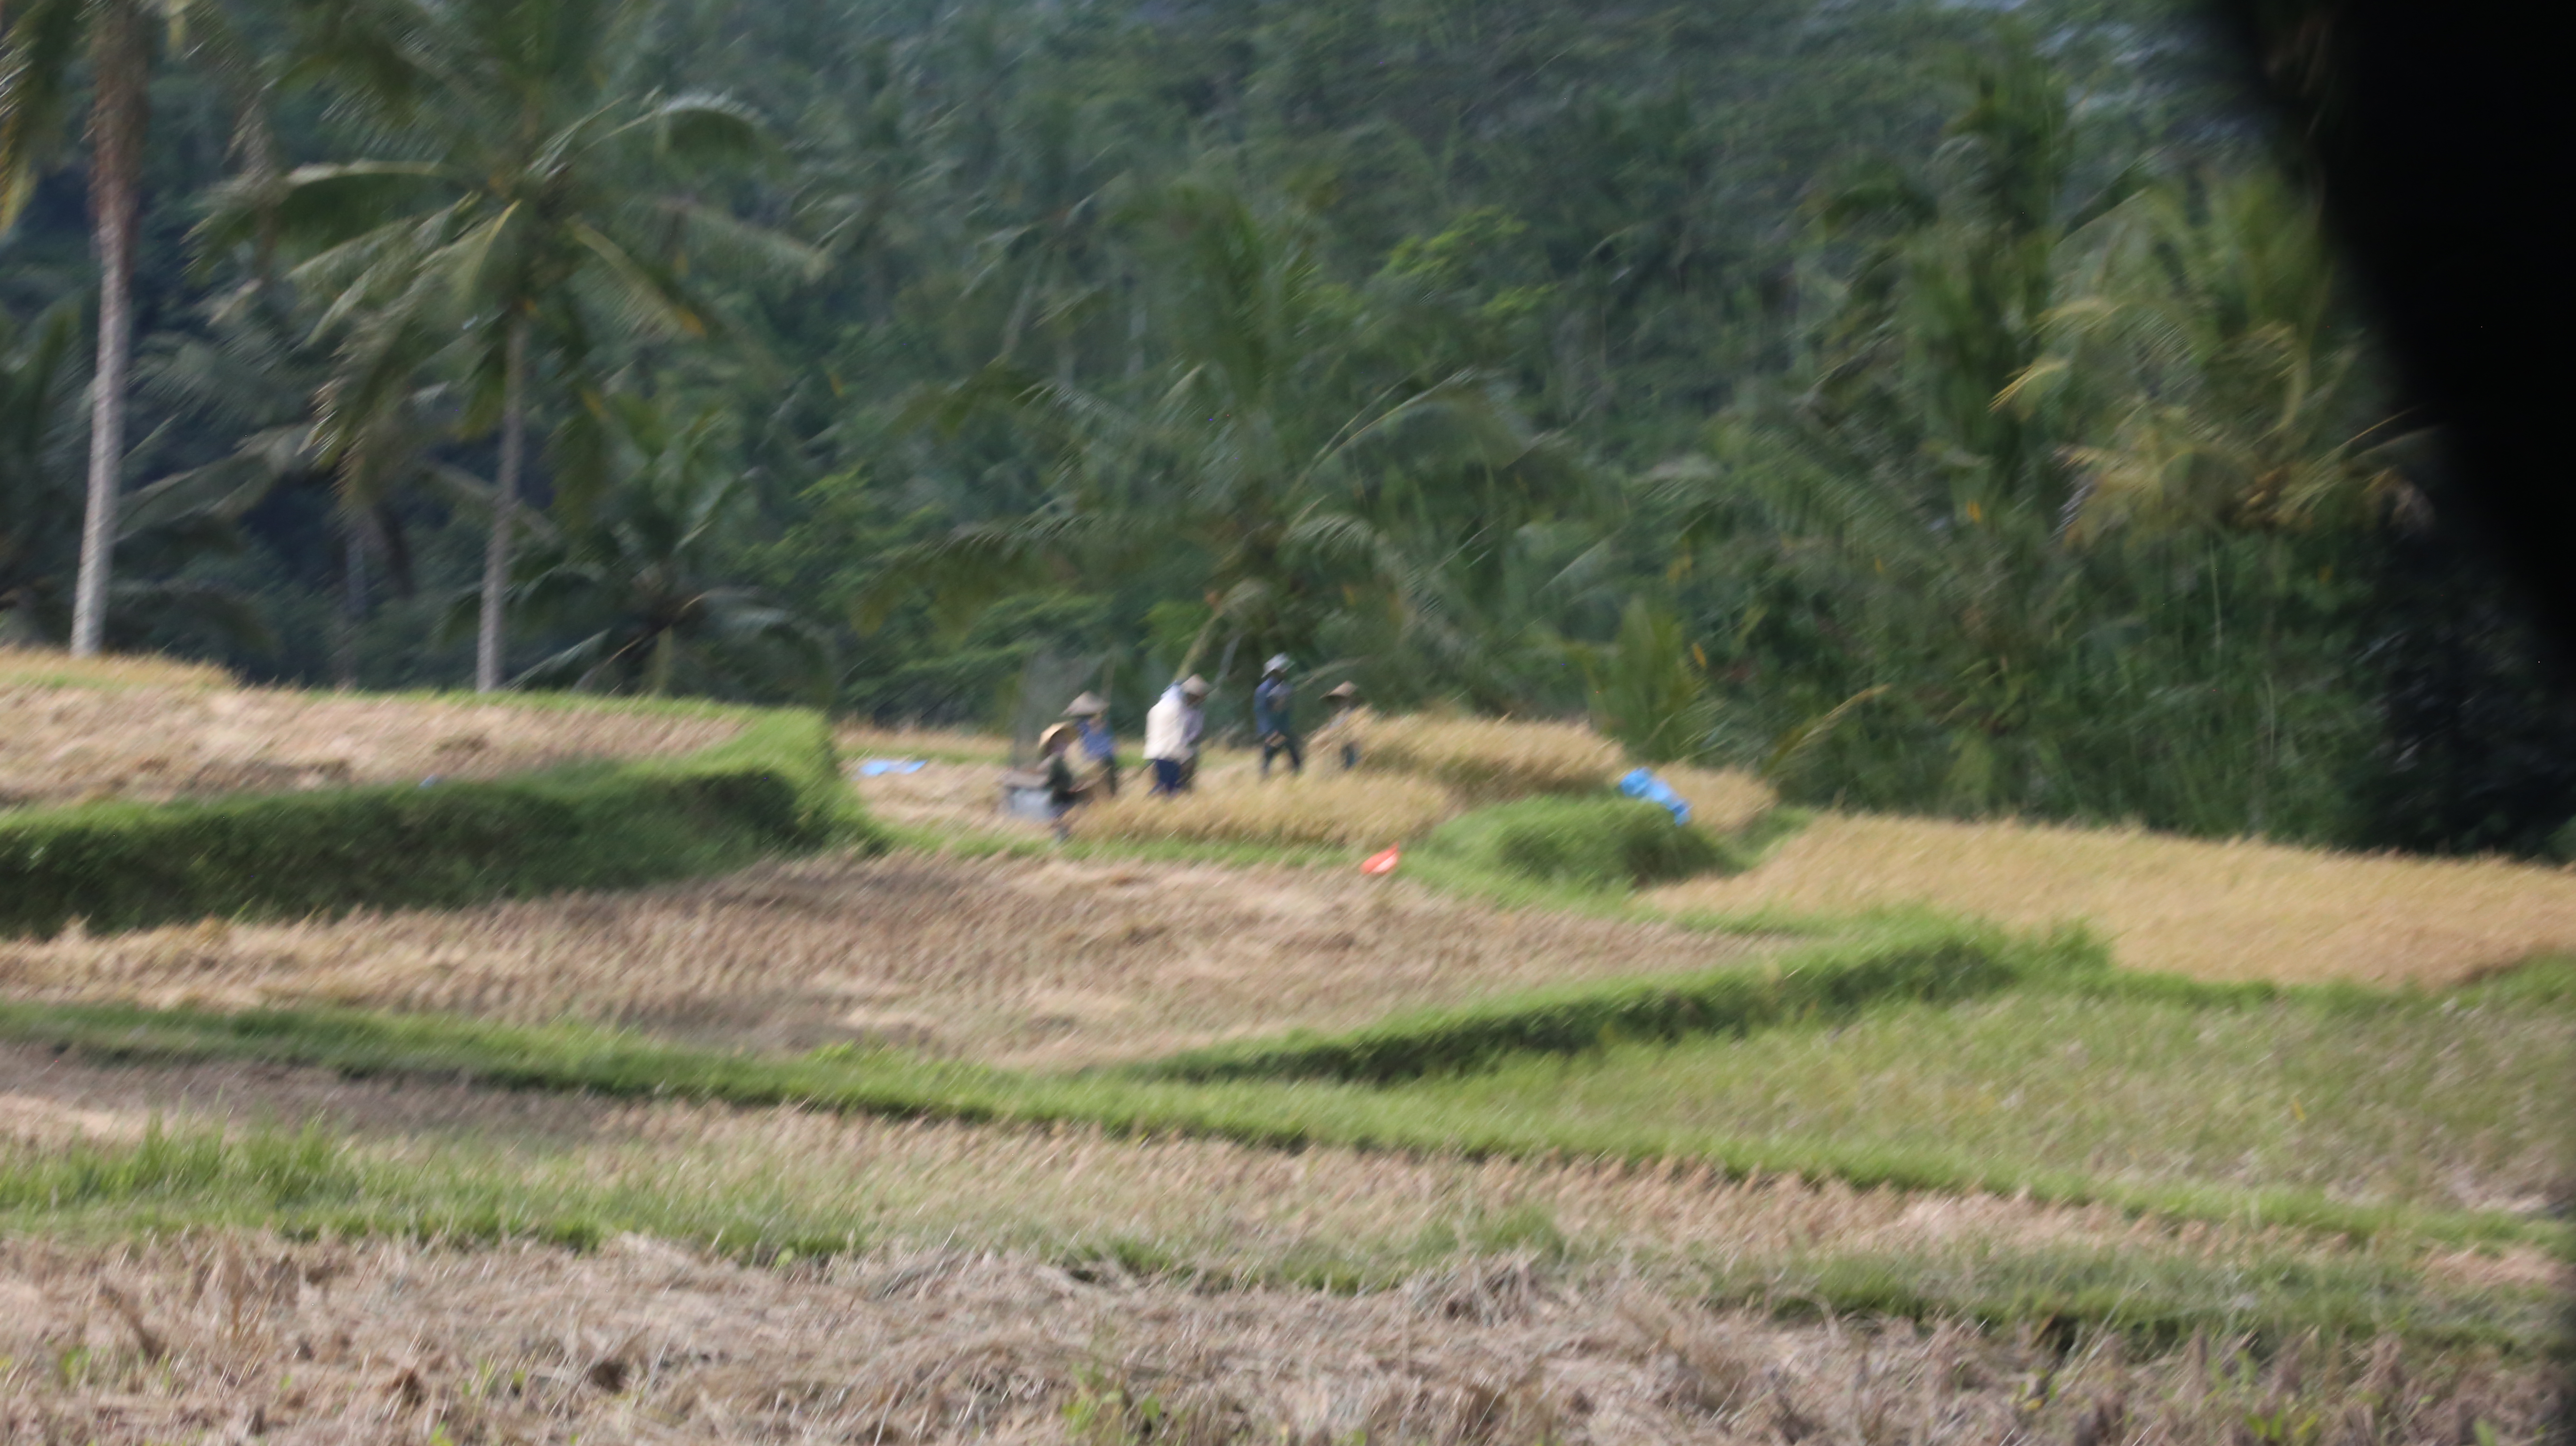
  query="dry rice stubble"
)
[{"x": 392, "y": 1341}]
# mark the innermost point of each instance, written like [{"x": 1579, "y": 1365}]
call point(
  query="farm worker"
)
[
  {"x": 1193, "y": 726},
  {"x": 1172, "y": 729},
  {"x": 1090, "y": 715},
  {"x": 1341, "y": 724},
  {"x": 1062, "y": 791},
  {"x": 1273, "y": 706}
]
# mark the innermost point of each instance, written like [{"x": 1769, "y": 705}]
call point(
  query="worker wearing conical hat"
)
[
  {"x": 1090, "y": 715},
  {"x": 1063, "y": 791},
  {"x": 1341, "y": 724}
]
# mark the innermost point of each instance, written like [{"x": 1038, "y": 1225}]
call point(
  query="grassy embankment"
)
[{"x": 115, "y": 864}]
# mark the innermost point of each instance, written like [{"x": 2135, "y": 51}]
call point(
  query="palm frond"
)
[{"x": 37, "y": 52}]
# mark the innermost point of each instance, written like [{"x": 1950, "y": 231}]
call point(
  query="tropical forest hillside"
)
[{"x": 1938, "y": 408}]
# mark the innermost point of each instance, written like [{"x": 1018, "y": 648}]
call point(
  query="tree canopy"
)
[{"x": 1938, "y": 408}]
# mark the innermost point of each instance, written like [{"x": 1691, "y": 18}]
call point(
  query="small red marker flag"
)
[{"x": 1381, "y": 863}]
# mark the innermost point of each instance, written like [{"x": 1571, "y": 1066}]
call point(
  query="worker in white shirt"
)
[{"x": 1172, "y": 729}]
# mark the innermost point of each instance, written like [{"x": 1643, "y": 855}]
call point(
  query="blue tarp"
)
[
  {"x": 1642, "y": 783},
  {"x": 876, "y": 766}
]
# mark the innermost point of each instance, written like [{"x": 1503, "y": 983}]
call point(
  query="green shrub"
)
[
  {"x": 775, "y": 787},
  {"x": 1598, "y": 841}
]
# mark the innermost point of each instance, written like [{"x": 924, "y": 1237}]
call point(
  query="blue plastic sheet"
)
[
  {"x": 1642, "y": 783},
  {"x": 876, "y": 767}
]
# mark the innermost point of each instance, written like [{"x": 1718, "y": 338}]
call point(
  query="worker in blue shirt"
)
[
  {"x": 1273, "y": 705},
  {"x": 1090, "y": 715}
]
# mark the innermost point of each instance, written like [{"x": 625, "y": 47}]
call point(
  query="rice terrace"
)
[{"x": 867, "y": 1112}]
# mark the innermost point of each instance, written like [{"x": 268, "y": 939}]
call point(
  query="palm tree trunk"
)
[
  {"x": 353, "y": 606},
  {"x": 505, "y": 506},
  {"x": 117, "y": 118},
  {"x": 657, "y": 675}
]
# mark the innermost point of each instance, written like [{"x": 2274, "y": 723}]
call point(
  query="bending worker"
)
[
  {"x": 1172, "y": 729},
  {"x": 1273, "y": 716},
  {"x": 1090, "y": 715},
  {"x": 1062, "y": 792},
  {"x": 1340, "y": 729}
]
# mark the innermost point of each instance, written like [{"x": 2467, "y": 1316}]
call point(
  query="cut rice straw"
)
[
  {"x": 1722, "y": 800},
  {"x": 1489, "y": 760},
  {"x": 52, "y": 668},
  {"x": 2238, "y": 910},
  {"x": 1331, "y": 810}
]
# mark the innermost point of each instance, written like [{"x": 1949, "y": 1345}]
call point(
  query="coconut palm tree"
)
[
  {"x": 2200, "y": 359},
  {"x": 41, "y": 517},
  {"x": 535, "y": 210},
  {"x": 35, "y": 372},
  {"x": 1270, "y": 457},
  {"x": 41, "y": 50},
  {"x": 302, "y": 415},
  {"x": 637, "y": 576}
]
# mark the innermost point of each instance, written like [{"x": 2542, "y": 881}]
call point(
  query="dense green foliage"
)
[
  {"x": 1935, "y": 415},
  {"x": 774, "y": 788}
]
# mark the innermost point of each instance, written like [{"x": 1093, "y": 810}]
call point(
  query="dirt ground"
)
[
  {"x": 942, "y": 794},
  {"x": 861, "y": 741},
  {"x": 1026, "y": 962},
  {"x": 78, "y": 744},
  {"x": 241, "y": 1337}
]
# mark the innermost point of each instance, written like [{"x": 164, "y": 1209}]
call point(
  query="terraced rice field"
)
[
  {"x": 210, "y": 1250},
  {"x": 1014, "y": 961},
  {"x": 154, "y": 743},
  {"x": 394, "y": 1342},
  {"x": 2211, "y": 910},
  {"x": 1034, "y": 1284}
]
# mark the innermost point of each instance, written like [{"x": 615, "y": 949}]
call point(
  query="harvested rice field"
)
[
  {"x": 2459, "y": 1108},
  {"x": 957, "y": 792},
  {"x": 1002, "y": 1284},
  {"x": 1028, "y": 962},
  {"x": 2210, "y": 910},
  {"x": 860, "y": 741},
  {"x": 2139, "y": 1217},
  {"x": 943, "y": 795},
  {"x": 1206, "y": 1206},
  {"x": 1325, "y": 808},
  {"x": 154, "y": 743},
  {"x": 22, "y": 667},
  {"x": 241, "y": 1336},
  {"x": 1231, "y": 803}
]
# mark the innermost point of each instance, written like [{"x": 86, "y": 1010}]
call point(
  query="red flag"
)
[{"x": 1381, "y": 863}]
